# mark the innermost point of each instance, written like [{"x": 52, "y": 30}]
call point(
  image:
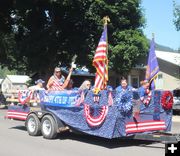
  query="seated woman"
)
[
  {"x": 57, "y": 82},
  {"x": 86, "y": 85}
]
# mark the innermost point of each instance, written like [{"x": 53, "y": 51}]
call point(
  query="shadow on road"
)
[
  {"x": 176, "y": 112},
  {"x": 108, "y": 143},
  {"x": 94, "y": 140},
  {"x": 22, "y": 128}
]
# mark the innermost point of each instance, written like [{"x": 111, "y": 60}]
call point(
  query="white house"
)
[
  {"x": 12, "y": 83},
  {"x": 169, "y": 75}
]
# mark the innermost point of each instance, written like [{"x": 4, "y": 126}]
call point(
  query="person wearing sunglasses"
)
[{"x": 57, "y": 81}]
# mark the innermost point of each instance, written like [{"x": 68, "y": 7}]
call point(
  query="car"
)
[{"x": 176, "y": 95}]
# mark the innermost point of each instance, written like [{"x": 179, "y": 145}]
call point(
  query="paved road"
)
[{"x": 14, "y": 141}]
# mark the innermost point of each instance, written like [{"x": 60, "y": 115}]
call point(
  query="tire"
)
[
  {"x": 48, "y": 127},
  {"x": 33, "y": 125}
]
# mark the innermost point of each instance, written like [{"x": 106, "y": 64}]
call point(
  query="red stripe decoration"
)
[
  {"x": 100, "y": 62},
  {"x": 95, "y": 121},
  {"x": 133, "y": 127},
  {"x": 17, "y": 115}
]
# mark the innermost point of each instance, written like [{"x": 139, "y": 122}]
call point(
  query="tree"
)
[
  {"x": 4, "y": 71},
  {"x": 7, "y": 52},
  {"x": 177, "y": 16},
  {"x": 47, "y": 32}
]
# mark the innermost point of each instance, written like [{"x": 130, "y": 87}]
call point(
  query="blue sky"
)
[{"x": 159, "y": 20}]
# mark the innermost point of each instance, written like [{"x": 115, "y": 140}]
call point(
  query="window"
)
[
  {"x": 135, "y": 81},
  {"x": 9, "y": 86},
  {"x": 159, "y": 81}
]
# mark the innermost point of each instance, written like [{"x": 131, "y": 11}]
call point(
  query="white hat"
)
[
  {"x": 39, "y": 81},
  {"x": 57, "y": 69}
]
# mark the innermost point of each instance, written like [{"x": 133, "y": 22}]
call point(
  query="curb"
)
[{"x": 176, "y": 118}]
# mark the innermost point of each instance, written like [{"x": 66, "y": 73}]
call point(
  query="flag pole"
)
[
  {"x": 153, "y": 35},
  {"x": 150, "y": 81},
  {"x": 154, "y": 78},
  {"x": 106, "y": 19},
  {"x": 100, "y": 60}
]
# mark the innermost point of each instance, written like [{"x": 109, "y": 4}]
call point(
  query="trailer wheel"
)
[
  {"x": 48, "y": 127},
  {"x": 33, "y": 125}
]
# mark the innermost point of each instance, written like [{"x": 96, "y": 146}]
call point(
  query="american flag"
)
[{"x": 100, "y": 62}]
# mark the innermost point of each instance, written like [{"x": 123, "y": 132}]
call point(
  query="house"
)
[
  {"x": 169, "y": 75},
  {"x": 12, "y": 83},
  {"x": 168, "y": 78}
]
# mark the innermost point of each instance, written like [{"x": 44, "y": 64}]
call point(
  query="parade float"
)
[
  {"x": 100, "y": 112},
  {"x": 108, "y": 114}
]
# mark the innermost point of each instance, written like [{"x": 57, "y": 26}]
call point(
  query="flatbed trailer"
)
[
  {"x": 47, "y": 124},
  {"x": 69, "y": 111}
]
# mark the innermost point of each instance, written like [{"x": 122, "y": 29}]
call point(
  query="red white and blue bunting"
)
[
  {"x": 24, "y": 96},
  {"x": 98, "y": 120}
]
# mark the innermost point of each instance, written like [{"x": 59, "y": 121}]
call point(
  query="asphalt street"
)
[{"x": 15, "y": 141}]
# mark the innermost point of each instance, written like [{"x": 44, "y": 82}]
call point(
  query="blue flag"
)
[{"x": 152, "y": 66}]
